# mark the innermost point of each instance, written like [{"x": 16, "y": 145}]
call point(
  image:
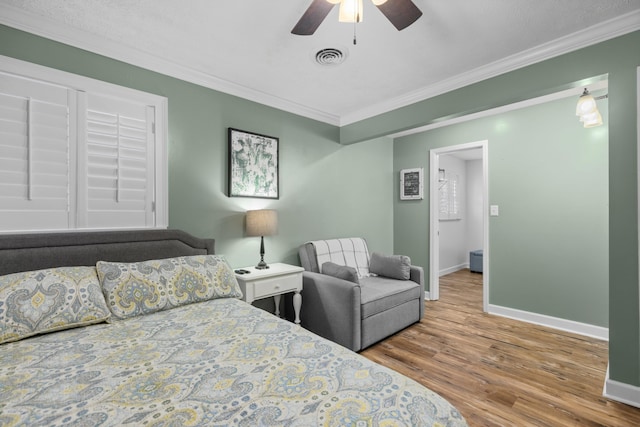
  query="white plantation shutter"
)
[
  {"x": 454, "y": 203},
  {"x": 78, "y": 153},
  {"x": 35, "y": 155},
  {"x": 449, "y": 198},
  {"x": 117, "y": 158}
]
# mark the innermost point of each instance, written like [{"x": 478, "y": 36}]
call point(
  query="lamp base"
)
[{"x": 262, "y": 266}]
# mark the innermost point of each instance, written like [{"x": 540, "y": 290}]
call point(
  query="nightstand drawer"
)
[{"x": 277, "y": 285}]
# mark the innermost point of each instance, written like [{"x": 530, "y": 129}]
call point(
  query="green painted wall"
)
[
  {"x": 325, "y": 187},
  {"x": 618, "y": 58},
  {"x": 332, "y": 190},
  {"x": 549, "y": 176}
]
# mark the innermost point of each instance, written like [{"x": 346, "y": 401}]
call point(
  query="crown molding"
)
[
  {"x": 606, "y": 30},
  {"x": 22, "y": 20},
  {"x": 41, "y": 26}
]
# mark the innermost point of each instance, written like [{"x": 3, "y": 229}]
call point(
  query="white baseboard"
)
[
  {"x": 427, "y": 296},
  {"x": 552, "y": 322},
  {"x": 621, "y": 392},
  {"x": 453, "y": 269}
]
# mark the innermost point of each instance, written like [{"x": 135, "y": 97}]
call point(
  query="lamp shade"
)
[{"x": 263, "y": 222}]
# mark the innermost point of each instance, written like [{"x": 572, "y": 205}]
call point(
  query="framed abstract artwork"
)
[
  {"x": 253, "y": 165},
  {"x": 411, "y": 187}
]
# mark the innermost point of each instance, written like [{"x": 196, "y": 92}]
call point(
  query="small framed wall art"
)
[
  {"x": 411, "y": 187},
  {"x": 253, "y": 165}
]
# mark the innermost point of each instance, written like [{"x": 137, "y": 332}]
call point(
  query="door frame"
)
[{"x": 434, "y": 241}]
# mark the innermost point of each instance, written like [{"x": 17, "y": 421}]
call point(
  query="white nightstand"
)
[{"x": 274, "y": 281}]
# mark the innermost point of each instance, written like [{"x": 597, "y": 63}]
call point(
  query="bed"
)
[{"x": 181, "y": 354}]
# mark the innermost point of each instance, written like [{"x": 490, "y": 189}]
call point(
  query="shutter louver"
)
[
  {"x": 119, "y": 161},
  {"x": 34, "y": 155}
]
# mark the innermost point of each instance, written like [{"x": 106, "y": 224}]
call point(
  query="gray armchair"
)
[{"x": 356, "y": 299}]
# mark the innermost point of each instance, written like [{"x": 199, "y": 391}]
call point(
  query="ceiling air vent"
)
[{"x": 330, "y": 56}]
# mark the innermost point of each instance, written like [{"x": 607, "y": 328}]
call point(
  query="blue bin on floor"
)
[{"x": 475, "y": 261}]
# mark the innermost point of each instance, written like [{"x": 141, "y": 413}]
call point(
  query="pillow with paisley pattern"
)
[
  {"x": 134, "y": 289},
  {"x": 36, "y": 302}
]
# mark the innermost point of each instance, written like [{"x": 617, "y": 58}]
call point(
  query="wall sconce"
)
[
  {"x": 263, "y": 222},
  {"x": 587, "y": 109}
]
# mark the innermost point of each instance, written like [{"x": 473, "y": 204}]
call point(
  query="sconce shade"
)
[
  {"x": 586, "y": 104},
  {"x": 591, "y": 120},
  {"x": 263, "y": 222},
  {"x": 587, "y": 110}
]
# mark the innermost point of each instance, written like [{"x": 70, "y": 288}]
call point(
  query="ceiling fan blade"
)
[
  {"x": 312, "y": 18},
  {"x": 401, "y": 13}
]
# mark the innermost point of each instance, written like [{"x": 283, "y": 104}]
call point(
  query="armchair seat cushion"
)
[{"x": 378, "y": 294}]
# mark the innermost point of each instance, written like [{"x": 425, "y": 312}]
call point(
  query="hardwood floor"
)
[{"x": 502, "y": 372}]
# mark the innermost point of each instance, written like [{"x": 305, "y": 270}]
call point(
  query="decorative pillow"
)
[
  {"x": 36, "y": 302},
  {"x": 392, "y": 266},
  {"x": 340, "y": 271},
  {"x": 146, "y": 287}
]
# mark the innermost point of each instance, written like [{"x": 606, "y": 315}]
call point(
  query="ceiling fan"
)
[{"x": 401, "y": 13}]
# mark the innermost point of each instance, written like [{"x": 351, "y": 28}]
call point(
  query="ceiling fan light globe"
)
[
  {"x": 334, "y": 1},
  {"x": 350, "y": 11},
  {"x": 379, "y": 2}
]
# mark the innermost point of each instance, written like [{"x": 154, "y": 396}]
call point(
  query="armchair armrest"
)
[
  {"x": 417, "y": 275},
  {"x": 332, "y": 309}
]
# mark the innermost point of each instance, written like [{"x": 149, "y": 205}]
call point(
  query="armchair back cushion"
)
[{"x": 352, "y": 252}]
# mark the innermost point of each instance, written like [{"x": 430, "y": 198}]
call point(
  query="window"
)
[
  {"x": 448, "y": 197},
  {"x": 77, "y": 153}
]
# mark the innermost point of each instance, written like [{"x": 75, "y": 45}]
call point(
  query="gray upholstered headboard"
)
[{"x": 26, "y": 252}]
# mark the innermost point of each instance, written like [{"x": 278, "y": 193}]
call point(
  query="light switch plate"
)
[{"x": 494, "y": 210}]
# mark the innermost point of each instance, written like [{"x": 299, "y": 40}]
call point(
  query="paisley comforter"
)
[{"x": 216, "y": 363}]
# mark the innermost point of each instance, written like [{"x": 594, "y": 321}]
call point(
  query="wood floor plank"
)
[{"x": 499, "y": 371}]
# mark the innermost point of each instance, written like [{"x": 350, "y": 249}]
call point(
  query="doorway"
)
[{"x": 436, "y": 177}]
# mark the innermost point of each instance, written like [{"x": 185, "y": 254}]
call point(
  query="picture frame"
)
[
  {"x": 411, "y": 184},
  {"x": 253, "y": 165}
]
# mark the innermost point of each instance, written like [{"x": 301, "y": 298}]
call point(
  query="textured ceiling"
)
[{"x": 245, "y": 47}]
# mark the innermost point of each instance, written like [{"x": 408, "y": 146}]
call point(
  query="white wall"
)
[
  {"x": 474, "y": 205},
  {"x": 459, "y": 237},
  {"x": 453, "y": 240}
]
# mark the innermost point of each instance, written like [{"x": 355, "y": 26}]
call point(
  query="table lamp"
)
[{"x": 263, "y": 222}]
